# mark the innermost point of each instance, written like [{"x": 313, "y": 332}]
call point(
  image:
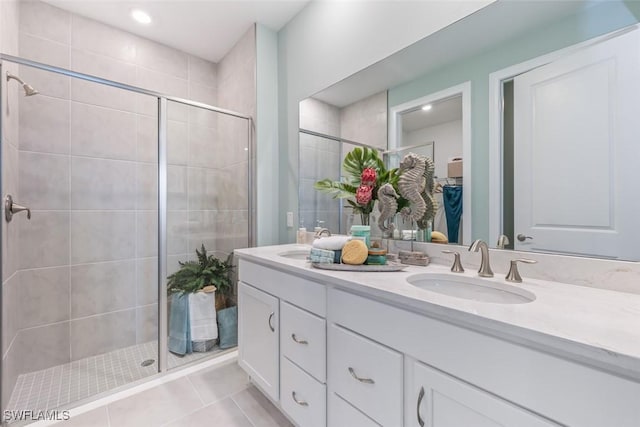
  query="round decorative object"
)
[{"x": 355, "y": 252}]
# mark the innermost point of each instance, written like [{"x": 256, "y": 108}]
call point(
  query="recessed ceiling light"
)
[
  {"x": 427, "y": 107},
  {"x": 141, "y": 16}
]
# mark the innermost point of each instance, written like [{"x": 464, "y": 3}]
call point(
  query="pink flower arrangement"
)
[
  {"x": 364, "y": 193},
  {"x": 368, "y": 177}
]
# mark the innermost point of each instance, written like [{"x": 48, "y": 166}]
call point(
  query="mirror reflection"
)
[{"x": 570, "y": 198}]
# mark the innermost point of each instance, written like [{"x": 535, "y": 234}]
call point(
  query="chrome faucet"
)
[
  {"x": 503, "y": 241},
  {"x": 322, "y": 231},
  {"x": 485, "y": 267},
  {"x": 514, "y": 275}
]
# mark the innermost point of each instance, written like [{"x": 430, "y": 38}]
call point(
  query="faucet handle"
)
[
  {"x": 514, "y": 275},
  {"x": 457, "y": 265}
]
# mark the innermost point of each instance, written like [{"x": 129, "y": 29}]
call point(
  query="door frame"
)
[
  {"x": 496, "y": 156},
  {"x": 395, "y": 132}
]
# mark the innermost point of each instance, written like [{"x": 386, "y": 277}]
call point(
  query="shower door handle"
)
[{"x": 11, "y": 208}]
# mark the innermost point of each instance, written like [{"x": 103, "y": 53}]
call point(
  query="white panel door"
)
[
  {"x": 438, "y": 400},
  {"x": 258, "y": 338},
  {"x": 577, "y": 151}
]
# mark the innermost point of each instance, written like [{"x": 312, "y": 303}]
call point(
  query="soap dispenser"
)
[{"x": 301, "y": 237}]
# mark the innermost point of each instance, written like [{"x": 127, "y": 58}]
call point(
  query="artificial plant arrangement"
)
[
  {"x": 196, "y": 275},
  {"x": 364, "y": 173}
]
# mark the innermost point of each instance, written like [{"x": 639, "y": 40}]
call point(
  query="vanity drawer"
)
[
  {"x": 367, "y": 375},
  {"x": 310, "y": 295},
  {"x": 342, "y": 414},
  {"x": 303, "y": 339},
  {"x": 302, "y": 397}
]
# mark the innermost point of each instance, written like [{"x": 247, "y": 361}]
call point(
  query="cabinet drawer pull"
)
[
  {"x": 293, "y": 337},
  {"x": 270, "y": 319},
  {"x": 299, "y": 402},
  {"x": 420, "y": 397},
  {"x": 362, "y": 380}
]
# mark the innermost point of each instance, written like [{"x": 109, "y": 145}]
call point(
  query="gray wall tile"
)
[
  {"x": 158, "y": 57},
  {"x": 44, "y": 240},
  {"x": 177, "y": 232},
  {"x": 102, "y": 333},
  {"x": 44, "y": 181},
  {"x": 34, "y": 13},
  {"x": 43, "y": 296},
  {"x": 10, "y": 311},
  {"x": 147, "y": 281},
  {"x": 102, "y": 288},
  {"x": 102, "y": 132},
  {"x": 44, "y": 124},
  {"x": 43, "y": 347},
  {"x": 202, "y": 147},
  {"x": 147, "y": 323},
  {"x": 147, "y": 150},
  {"x": 202, "y": 72},
  {"x": 146, "y": 186},
  {"x": 147, "y": 234},
  {"x": 102, "y": 236},
  {"x": 177, "y": 143},
  {"x": 102, "y": 184},
  {"x": 92, "y": 36},
  {"x": 177, "y": 190},
  {"x": 47, "y": 52}
]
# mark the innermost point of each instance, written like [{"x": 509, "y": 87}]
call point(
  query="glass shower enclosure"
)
[{"x": 111, "y": 186}]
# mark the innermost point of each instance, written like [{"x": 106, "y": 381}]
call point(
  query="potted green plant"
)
[
  {"x": 194, "y": 320},
  {"x": 206, "y": 271}
]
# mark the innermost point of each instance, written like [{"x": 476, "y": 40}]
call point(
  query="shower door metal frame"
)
[{"x": 163, "y": 100}]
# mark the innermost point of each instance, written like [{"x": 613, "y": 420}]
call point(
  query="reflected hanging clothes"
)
[
  {"x": 440, "y": 220},
  {"x": 452, "y": 198}
]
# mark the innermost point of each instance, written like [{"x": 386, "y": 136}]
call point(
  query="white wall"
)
[
  {"x": 448, "y": 143},
  {"x": 328, "y": 41}
]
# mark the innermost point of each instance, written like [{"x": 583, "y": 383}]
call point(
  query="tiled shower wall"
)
[
  {"x": 83, "y": 279},
  {"x": 10, "y": 141},
  {"x": 319, "y": 159}
]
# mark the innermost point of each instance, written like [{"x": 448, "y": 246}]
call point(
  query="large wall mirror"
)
[{"x": 550, "y": 161}]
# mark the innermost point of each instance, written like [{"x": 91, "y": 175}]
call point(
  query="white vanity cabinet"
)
[
  {"x": 258, "y": 338},
  {"x": 287, "y": 362},
  {"x": 331, "y": 352},
  {"x": 440, "y": 400}
]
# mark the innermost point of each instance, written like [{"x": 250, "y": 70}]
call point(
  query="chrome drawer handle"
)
[
  {"x": 362, "y": 380},
  {"x": 270, "y": 325},
  {"x": 299, "y": 402},
  {"x": 293, "y": 337},
  {"x": 420, "y": 397}
]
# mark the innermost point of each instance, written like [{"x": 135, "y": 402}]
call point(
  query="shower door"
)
[
  {"x": 80, "y": 276},
  {"x": 208, "y": 199}
]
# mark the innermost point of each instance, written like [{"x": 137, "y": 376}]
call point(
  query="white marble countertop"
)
[{"x": 594, "y": 326}]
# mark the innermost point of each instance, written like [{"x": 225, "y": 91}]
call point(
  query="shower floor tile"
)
[{"x": 63, "y": 384}]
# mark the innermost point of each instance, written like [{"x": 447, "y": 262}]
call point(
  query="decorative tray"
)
[{"x": 389, "y": 266}]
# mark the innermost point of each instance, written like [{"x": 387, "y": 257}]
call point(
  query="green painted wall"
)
[{"x": 595, "y": 21}]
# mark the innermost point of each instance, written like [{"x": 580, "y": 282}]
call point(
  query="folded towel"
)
[
  {"x": 321, "y": 259},
  {"x": 202, "y": 316},
  {"x": 333, "y": 243},
  {"x": 179, "y": 329},
  {"x": 322, "y": 253}
]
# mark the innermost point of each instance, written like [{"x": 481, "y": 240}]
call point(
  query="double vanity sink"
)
[
  {"x": 475, "y": 289},
  {"x": 336, "y": 348}
]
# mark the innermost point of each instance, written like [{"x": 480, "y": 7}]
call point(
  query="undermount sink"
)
[
  {"x": 471, "y": 288},
  {"x": 295, "y": 254}
]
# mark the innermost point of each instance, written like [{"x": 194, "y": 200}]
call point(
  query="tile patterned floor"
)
[
  {"x": 220, "y": 396},
  {"x": 63, "y": 384}
]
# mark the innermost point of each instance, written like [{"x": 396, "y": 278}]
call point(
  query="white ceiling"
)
[
  {"x": 441, "y": 112},
  {"x": 205, "y": 28}
]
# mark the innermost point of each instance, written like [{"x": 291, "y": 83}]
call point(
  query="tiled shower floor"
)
[{"x": 60, "y": 385}]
